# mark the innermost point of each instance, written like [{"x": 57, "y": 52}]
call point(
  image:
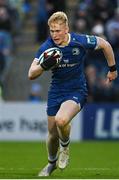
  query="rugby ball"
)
[{"x": 48, "y": 52}]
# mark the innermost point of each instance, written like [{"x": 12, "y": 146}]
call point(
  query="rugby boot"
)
[
  {"x": 48, "y": 169},
  {"x": 63, "y": 158}
]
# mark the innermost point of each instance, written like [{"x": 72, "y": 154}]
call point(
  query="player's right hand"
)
[{"x": 50, "y": 61}]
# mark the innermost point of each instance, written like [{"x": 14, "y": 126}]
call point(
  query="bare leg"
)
[
  {"x": 52, "y": 147},
  {"x": 53, "y": 139},
  {"x": 65, "y": 114},
  {"x": 63, "y": 117}
]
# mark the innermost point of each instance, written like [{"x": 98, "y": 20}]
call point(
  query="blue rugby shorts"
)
[{"x": 56, "y": 99}]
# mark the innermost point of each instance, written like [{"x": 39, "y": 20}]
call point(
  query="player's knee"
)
[{"x": 61, "y": 121}]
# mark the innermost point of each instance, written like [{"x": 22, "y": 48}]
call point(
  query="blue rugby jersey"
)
[{"x": 69, "y": 75}]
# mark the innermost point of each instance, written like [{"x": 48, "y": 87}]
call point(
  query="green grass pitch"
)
[{"x": 88, "y": 160}]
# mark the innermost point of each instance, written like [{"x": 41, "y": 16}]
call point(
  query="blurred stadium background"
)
[{"x": 95, "y": 132}]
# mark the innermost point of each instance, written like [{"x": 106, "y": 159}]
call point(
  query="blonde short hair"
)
[{"x": 58, "y": 16}]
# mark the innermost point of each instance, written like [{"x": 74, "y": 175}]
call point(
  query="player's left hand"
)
[{"x": 111, "y": 76}]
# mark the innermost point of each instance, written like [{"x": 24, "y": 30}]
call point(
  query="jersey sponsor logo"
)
[
  {"x": 74, "y": 97},
  {"x": 90, "y": 39},
  {"x": 67, "y": 65},
  {"x": 75, "y": 51},
  {"x": 66, "y": 60}
]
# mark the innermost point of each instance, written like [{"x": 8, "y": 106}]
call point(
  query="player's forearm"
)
[
  {"x": 107, "y": 50},
  {"x": 109, "y": 55},
  {"x": 34, "y": 72}
]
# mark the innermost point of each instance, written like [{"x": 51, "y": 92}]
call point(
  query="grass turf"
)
[{"x": 88, "y": 160}]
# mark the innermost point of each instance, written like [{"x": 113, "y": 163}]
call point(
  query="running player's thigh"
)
[
  {"x": 52, "y": 125},
  {"x": 68, "y": 110}
]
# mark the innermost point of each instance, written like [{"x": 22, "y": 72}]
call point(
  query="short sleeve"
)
[
  {"x": 88, "y": 41},
  {"x": 91, "y": 42}
]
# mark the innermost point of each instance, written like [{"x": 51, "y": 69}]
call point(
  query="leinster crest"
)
[{"x": 75, "y": 51}]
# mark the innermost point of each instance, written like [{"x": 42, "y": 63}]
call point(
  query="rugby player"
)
[{"x": 68, "y": 91}]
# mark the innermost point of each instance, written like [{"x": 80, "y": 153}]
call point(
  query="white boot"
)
[
  {"x": 47, "y": 170},
  {"x": 63, "y": 158}
]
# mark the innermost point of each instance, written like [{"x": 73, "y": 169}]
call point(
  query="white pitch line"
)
[
  {"x": 38, "y": 168},
  {"x": 93, "y": 169},
  {"x": 20, "y": 168}
]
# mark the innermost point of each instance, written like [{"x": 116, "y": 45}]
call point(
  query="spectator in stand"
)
[
  {"x": 26, "y": 8},
  {"x": 5, "y": 20},
  {"x": 99, "y": 91},
  {"x": 81, "y": 25},
  {"x": 98, "y": 29},
  {"x": 59, "y": 5},
  {"x": 101, "y": 10},
  {"x": 16, "y": 11},
  {"x": 45, "y": 9},
  {"x": 112, "y": 30},
  {"x": 41, "y": 21},
  {"x": 81, "y": 21},
  {"x": 35, "y": 93},
  {"x": 91, "y": 77},
  {"x": 81, "y": 10},
  {"x": 12, "y": 22},
  {"x": 5, "y": 42}
]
